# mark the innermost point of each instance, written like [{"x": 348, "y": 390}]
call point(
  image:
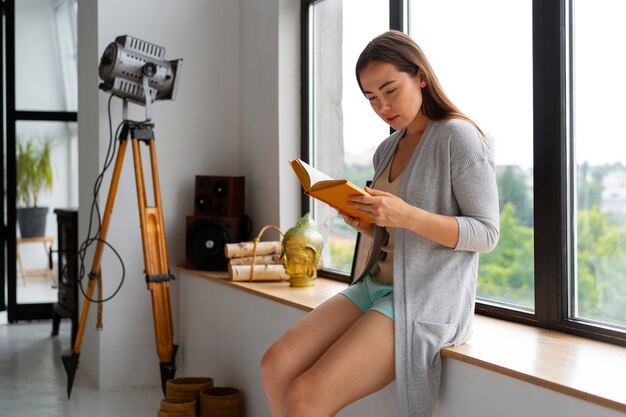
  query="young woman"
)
[{"x": 434, "y": 202}]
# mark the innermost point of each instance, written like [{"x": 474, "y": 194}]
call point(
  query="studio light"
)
[{"x": 137, "y": 71}]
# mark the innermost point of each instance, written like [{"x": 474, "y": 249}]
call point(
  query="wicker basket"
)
[
  {"x": 220, "y": 402},
  {"x": 162, "y": 413},
  {"x": 189, "y": 387},
  {"x": 178, "y": 407}
]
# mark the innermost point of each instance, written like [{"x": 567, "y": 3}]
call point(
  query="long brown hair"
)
[{"x": 405, "y": 55}]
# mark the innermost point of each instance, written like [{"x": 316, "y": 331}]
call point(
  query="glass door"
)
[{"x": 41, "y": 147}]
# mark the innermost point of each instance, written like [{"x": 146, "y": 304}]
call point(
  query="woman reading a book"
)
[{"x": 434, "y": 203}]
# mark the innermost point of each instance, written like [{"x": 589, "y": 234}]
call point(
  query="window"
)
[
  {"x": 542, "y": 78},
  {"x": 344, "y": 133},
  {"x": 598, "y": 164},
  {"x": 480, "y": 72}
]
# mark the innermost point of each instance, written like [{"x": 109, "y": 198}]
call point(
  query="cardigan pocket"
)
[
  {"x": 428, "y": 339},
  {"x": 424, "y": 371}
]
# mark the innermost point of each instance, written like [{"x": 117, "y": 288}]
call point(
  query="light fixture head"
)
[{"x": 127, "y": 61}]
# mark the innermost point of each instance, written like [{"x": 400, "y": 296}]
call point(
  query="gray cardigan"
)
[{"x": 451, "y": 172}]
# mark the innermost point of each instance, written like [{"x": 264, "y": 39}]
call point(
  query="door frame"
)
[{"x": 16, "y": 311}]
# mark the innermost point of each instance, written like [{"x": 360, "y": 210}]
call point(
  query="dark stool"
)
[{"x": 67, "y": 305}]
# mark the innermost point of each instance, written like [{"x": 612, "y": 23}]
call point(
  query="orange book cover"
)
[{"x": 331, "y": 191}]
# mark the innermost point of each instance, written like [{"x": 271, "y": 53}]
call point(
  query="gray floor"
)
[{"x": 33, "y": 381}]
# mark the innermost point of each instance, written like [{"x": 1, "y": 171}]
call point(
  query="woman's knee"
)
[
  {"x": 303, "y": 397},
  {"x": 275, "y": 362},
  {"x": 270, "y": 361}
]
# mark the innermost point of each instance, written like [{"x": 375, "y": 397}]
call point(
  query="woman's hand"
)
[
  {"x": 360, "y": 226},
  {"x": 386, "y": 209}
]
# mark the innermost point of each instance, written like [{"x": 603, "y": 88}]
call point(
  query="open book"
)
[{"x": 333, "y": 192}]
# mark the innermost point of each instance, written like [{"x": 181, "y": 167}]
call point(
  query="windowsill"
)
[{"x": 583, "y": 368}]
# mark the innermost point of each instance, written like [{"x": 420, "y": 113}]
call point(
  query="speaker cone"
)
[
  {"x": 203, "y": 202},
  {"x": 221, "y": 189},
  {"x": 206, "y": 238},
  {"x": 202, "y": 183}
]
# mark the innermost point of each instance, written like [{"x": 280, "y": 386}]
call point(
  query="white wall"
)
[
  {"x": 258, "y": 52},
  {"x": 270, "y": 109},
  {"x": 468, "y": 390},
  {"x": 88, "y": 157},
  {"x": 289, "y": 114}
]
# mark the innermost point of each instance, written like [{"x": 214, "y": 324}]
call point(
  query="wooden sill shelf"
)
[{"x": 583, "y": 368}]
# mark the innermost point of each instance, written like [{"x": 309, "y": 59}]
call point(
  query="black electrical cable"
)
[{"x": 95, "y": 209}]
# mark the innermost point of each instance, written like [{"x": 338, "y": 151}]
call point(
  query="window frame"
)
[{"x": 552, "y": 144}]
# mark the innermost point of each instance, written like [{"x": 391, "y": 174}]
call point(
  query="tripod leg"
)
[
  {"x": 156, "y": 263},
  {"x": 71, "y": 362},
  {"x": 163, "y": 299}
]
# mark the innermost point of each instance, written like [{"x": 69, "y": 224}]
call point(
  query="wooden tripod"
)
[{"x": 154, "y": 253}]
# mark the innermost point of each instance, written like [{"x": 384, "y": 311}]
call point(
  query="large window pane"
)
[
  {"x": 481, "y": 51},
  {"x": 45, "y": 55},
  {"x": 344, "y": 129},
  {"x": 599, "y": 286}
]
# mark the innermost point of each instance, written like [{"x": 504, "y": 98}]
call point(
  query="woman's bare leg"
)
[
  {"x": 302, "y": 345},
  {"x": 359, "y": 363}
]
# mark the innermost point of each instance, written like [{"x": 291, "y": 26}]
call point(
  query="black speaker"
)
[
  {"x": 219, "y": 196},
  {"x": 206, "y": 237}
]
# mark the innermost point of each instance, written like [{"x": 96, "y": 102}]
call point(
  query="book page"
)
[
  {"x": 315, "y": 175},
  {"x": 331, "y": 191}
]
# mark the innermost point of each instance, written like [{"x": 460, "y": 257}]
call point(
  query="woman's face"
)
[{"x": 395, "y": 96}]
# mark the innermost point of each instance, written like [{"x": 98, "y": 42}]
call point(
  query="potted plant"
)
[{"x": 33, "y": 176}]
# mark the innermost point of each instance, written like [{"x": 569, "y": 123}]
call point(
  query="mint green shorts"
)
[{"x": 369, "y": 294}]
